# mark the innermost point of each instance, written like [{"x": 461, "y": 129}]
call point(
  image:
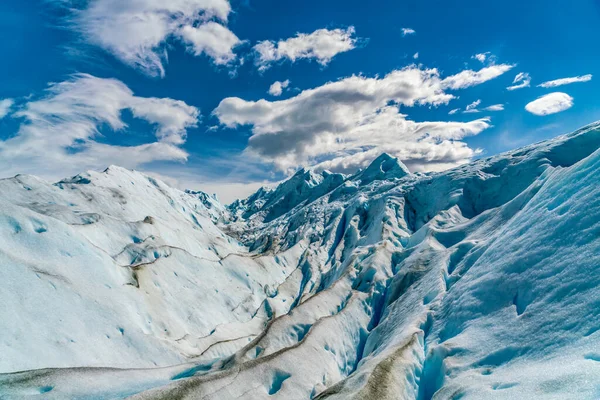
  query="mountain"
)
[
  {"x": 478, "y": 282},
  {"x": 304, "y": 187}
]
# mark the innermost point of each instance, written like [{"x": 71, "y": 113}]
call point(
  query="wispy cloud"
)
[
  {"x": 468, "y": 78},
  {"x": 345, "y": 124},
  {"x": 485, "y": 58},
  {"x": 550, "y": 104},
  {"x": 472, "y": 108},
  {"x": 137, "y": 32},
  {"x": 494, "y": 107},
  {"x": 566, "y": 81},
  {"x": 5, "y": 107},
  {"x": 481, "y": 57},
  {"x": 60, "y": 131},
  {"x": 416, "y": 55},
  {"x": 522, "y": 80},
  {"x": 276, "y": 89},
  {"x": 321, "y": 45},
  {"x": 408, "y": 31},
  {"x": 453, "y": 111}
]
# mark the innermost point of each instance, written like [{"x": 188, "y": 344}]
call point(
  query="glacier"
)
[{"x": 480, "y": 282}]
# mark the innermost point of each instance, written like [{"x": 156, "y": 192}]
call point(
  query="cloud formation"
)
[
  {"x": 408, "y": 31},
  {"x": 494, "y": 107},
  {"x": 136, "y": 32},
  {"x": 321, "y": 45},
  {"x": 212, "y": 39},
  {"x": 522, "y": 80},
  {"x": 481, "y": 57},
  {"x": 566, "y": 81},
  {"x": 276, "y": 89},
  {"x": 550, "y": 104},
  {"x": 61, "y": 132},
  {"x": 343, "y": 125},
  {"x": 468, "y": 78},
  {"x": 5, "y": 107},
  {"x": 472, "y": 108},
  {"x": 422, "y": 146}
]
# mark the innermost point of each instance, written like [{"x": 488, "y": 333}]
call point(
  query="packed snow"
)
[{"x": 478, "y": 282}]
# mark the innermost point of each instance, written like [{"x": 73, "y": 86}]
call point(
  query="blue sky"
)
[{"x": 183, "y": 94}]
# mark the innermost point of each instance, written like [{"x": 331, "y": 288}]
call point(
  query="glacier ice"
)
[{"x": 477, "y": 282}]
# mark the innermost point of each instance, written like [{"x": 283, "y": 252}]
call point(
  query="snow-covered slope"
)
[{"x": 478, "y": 282}]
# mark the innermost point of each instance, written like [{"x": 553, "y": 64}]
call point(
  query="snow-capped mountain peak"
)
[
  {"x": 384, "y": 167},
  {"x": 477, "y": 282}
]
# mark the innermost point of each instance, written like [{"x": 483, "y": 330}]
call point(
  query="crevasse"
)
[{"x": 477, "y": 282}]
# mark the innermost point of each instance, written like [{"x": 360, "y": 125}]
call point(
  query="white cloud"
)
[
  {"x": 468, "y": 78},
  {"x": 453, "y": 111},
  {"x": 343, "y": 125},
  {"x": 550, "y": 104},
  {"x": 277, "y": 87},
  {"x": 136, "y": 32},
  {"x": 59, "y": 133},
  {"x": 494, "y": 107},
  {"x": 522, "y": 80},
  {"x": 481, "y": 57},
  {"x": 416, "y": 55},
  {"x": 566, "y": 81},
  {"x": 321, "y": 45},
  {"x": 472, "y": 108},
  {"x": 5, "y": 106},
  {"x": 408, "y": 31},
  {"x": 213, "y": 39}
]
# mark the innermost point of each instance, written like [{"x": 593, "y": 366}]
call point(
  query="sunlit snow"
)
[{"x": 478, "y": 282}]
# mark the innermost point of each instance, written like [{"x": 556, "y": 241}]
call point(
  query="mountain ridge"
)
[{"x": 476, "y": 281}]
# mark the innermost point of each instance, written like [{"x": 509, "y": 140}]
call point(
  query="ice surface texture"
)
[{"x": 478, "y": 282}]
